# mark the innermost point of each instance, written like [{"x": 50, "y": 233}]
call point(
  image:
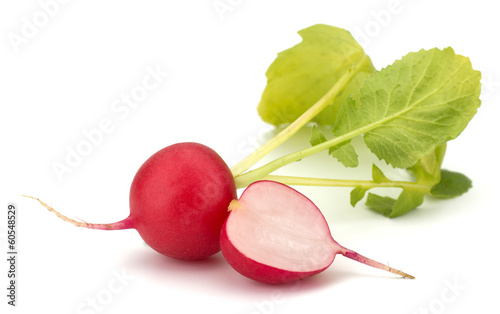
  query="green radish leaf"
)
[
  {"x": 410, "y": 198},
  {"x": 381, "y": 204},
  {"x": 317, "y": 137},
  {"x": 357, "y": 195},
  {"x": 378, "y": 176},
  {"x": 427, "y": 172},
  {"x": 413, "y": 106},
  {"x": 346, "y": 154},
  {"x": 301, "y": 75},
  {"x": 428, "y": 169},
  {"x": 452, "y": 184}
]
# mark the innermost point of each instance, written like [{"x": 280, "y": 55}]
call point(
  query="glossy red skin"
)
[
  {"x": 255, "y": 270},
  {"x": 179, "y": 199}
]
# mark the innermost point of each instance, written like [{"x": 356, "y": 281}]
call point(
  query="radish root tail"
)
[
  {"x": 124, "y": 224},
  {"x": 367, "y": 261}
]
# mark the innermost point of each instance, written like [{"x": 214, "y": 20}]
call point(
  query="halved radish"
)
[{"x": 274, "y": 234}]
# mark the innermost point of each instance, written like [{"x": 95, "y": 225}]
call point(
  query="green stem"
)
[
  {"x": 367, "y": 184},
  {"x": 257, "y": 174},
  {"x": 291, "y": 129}
]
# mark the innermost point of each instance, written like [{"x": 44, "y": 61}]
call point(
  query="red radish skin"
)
[
  {"x": 178, "y": 201},
  {"x": 274, "y": 234},
  {"x": 258, "y": 271}
]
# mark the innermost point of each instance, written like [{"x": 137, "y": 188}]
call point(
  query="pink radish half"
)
[{"x": 274, "y": 234}]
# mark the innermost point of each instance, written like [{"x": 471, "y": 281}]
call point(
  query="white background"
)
[{"x": 67, "y": 73}]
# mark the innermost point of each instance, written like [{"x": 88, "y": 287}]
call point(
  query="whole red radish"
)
[
  {"x": 178, "y": 201},
  {"x": 274, "y": 234}
]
